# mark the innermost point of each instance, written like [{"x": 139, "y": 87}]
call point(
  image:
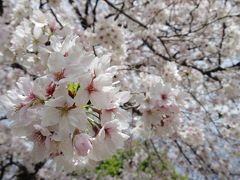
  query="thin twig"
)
[
  {"x": 125, "y": 14},
  {"x": 182, "y": 152},
  {"x": 3, "y": 118},
  {"x": 56, "y": 18}
]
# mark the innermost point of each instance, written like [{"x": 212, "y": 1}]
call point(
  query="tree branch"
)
[
  {"x": 3, "y": 118},
  {"x": 125, "y": 14},
  {"x": 1, "y": 7}
]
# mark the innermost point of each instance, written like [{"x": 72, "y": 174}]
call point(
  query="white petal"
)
[
  {"x": 56, "y": 62},
  {"x": 58, "y": 102},
  {"x": 50, "y": 116},
  {"x": 81, "y": 97},
  {"x": 122, "y": 97}
]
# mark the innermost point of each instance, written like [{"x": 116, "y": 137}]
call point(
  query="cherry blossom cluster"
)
[
  {"x": 88, "y": 69},
  {"x": 159, "y": 108},
  {"x": 71, "y": 110}
]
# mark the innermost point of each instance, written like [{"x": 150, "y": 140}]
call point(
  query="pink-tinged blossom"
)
[
  {"x": 160, "y": 111},
  {"x": 113, "y": 111},
  {"x": 61, "y": 148},
  {"x": 73, "y": 90},
  {"x": 82, "y": 144},
  {"x": 95, "y": 89},
  {"x": 21, "y": 102},
  {"x": 41, "y": 139},
  {"x": 192, "y": 135},
  {"x": 109, "y": 139},
  {"x": 63, "y": 112},
  {"x": 163, "y": 121},
  {"x": 179, "y": 59},
  {"x": 67, "y": 67}
]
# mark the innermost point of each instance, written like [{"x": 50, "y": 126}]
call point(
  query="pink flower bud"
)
[{"x": 82, "y": 144}]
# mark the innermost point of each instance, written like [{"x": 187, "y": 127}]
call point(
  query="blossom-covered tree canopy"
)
[{"x": 120, "y": 89}]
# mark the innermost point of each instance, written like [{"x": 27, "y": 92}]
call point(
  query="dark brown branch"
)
[
  {"x": 206, "y": 111},
  {"x": 41, "y": 4},
  {"x": 201, "y": 159},
  {"x": 22, "y": 171},
  {"x": 82, "y": 20},
  {"x": 192, "y": 17},
  {"x": 125, "y": 14},
  {"x": 203, "y": 26},
  {"x": 88, "y": 3},
  {"x": 208, "y": 73},
  {"x": 145, "y": 42},
  {"x": 221, "y": 43},
  {"x": 182, "y": 152},
  {"x": 94, "y": 11},
  {"x": 19, "y": 66},
  {"x": 3, "y": 118},
  {"x": 1, "y": 7},
  {"x": 156, "y": 152},
  {"x": 56, "y": 18}
]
